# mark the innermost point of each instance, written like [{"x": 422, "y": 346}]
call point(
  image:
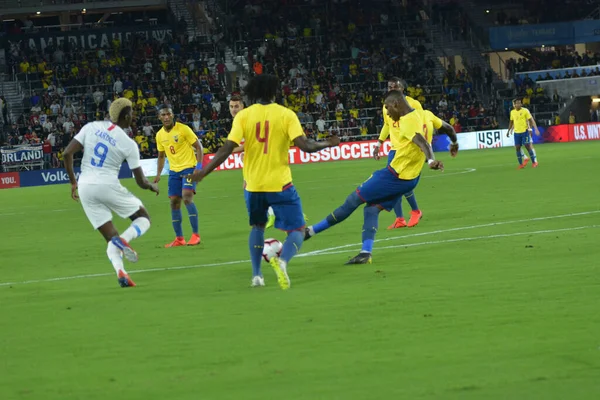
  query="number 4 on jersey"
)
[{"x": 265, "y": 139}]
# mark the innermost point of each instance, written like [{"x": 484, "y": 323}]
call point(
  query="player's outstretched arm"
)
[
  {"x": 449, "y": 130},
  {"x": 425, "y": 147},
  {"x": 220, "y": 156},
  {"x": 160, "y": 165},
  {"x": 312, "y": 146},
  {"x": 143, "y": 182},
  {"x": 72, "y": 148}
]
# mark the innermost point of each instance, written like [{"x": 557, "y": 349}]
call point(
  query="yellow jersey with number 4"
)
[
  {"x": 520, "y": 119},
  {"x": 389, "y": 125},
  {"x": 267, "y": 132},
  {"x": 178, "y": 145},
  {"x": 409, "y": 159}
]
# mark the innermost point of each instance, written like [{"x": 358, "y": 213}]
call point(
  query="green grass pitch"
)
[{"x": 495, "y": 295}]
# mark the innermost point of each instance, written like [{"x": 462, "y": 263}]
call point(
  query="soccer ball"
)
[{"x": 272, "y": 249}]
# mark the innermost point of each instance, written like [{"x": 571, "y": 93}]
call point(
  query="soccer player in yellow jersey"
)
[
  {"x": 182, "y": 148},
  {"x": 520, "y": 121},
  {"x": 386, "y": 186},
  {"x": 395, "y": 83},
  {"x": 267, "y": 130}
]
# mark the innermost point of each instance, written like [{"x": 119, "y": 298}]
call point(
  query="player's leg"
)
[
  {"x": 289, "y": 217},
  {"x": 518, "y": 142},
  {"x": 256, "y": 205},
  {"x": 189, "y": 190},
  {"x": 175, "y": 194},
  {"x": 531, "y": 151},
  {"x": 94, "y": 199},
  {"x": 415, "y": 213},
  {"x": 389, "y": 189},
  {"x": 271, "y": 215},
  {"x": 353, "y": 201},
  {"x": 115, "y": 255}
]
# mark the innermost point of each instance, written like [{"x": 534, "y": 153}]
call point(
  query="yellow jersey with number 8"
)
[
  {"x": 178, "y": 145},
  {"x": 267, "y": 132}
]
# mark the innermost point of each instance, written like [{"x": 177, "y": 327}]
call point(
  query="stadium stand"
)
[{"x": 333, "y": 60}]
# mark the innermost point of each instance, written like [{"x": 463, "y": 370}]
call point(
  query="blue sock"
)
[
  {"x": 519, "y": 157},
  {"x": 292, "y": 245},
  {"x": 176, "y": 219},
  {"x": 532, "y": 154},
  {"x": 256, "y": 243},
  {"x": 412, "y": 200},
  {"x": 193, "y": 214},
  {"x": 339, "y": 214},
  {"x": 398, "y": 208},
  {"x": 370, "y": 226}
]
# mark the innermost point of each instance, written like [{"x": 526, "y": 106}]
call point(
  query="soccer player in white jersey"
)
[{"x": 105, "y": 146}]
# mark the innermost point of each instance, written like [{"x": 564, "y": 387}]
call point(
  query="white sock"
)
[
  {"x": 137, "y": 228},
  {"x": 116, "y": 257},
  {"x": 311, "y": 231},
  {"x": 270, "y": 212}
]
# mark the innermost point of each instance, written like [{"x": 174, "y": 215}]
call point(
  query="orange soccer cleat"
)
[
  {"x": 415, "y": 217},
  {"x": 534, "y": 165},
  {"x": 194, "y": 240},
  {"x": 125, "y": 280},
  {"x": 398, "y": 223},
  {"x": 525, "y": 162},
  {"x": 179, "y": 241}
]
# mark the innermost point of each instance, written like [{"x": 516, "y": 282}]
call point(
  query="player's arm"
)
[
  {"x": 199, "y": 153},
  {"x": 73, "y": 148},
  {"x": 425, "y": 147},
  {"x": 383, "y": 135},
  {"x": 160, "y": 164},
  {"x": 532, "y": 123},
  {"x": 220, "y": 156},
  {"x": 448, "y": 129},
  {"x": 311, "y": 146},
  {"x": 239, "y": 149},
  {"x": 511, "y": 125}
]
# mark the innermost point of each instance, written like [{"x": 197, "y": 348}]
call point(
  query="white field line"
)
[
  {"x": 333, "y": 250},
  {"x": 460, "y": 228}
]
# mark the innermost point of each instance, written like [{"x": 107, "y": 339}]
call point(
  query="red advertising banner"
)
[
  {"x": 588, "y": 131},
  {"x": 9, "y": 180},
  {"x": 346, "y": 151}
]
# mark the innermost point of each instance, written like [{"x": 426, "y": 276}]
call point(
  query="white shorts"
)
[{"x": 99, "y": 200}]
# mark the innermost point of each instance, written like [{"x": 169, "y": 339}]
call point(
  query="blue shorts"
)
[
  {"x": 391, "y": 156},
  {"x": 522, "y": 139},
  {"x": 383, "y": 189},
  {"x": 286, "y": 207},
  {"x": 178, "y": 182}
]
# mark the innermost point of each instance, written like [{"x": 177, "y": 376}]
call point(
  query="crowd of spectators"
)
[
  {"x": 333, "y": 68},
  {"x": 544, "y": 11}
]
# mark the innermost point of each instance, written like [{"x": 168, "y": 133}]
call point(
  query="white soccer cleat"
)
[{"x": 258, "y": 281}]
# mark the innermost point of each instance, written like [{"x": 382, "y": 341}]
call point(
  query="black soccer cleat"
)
[
  {"x": 306, "y": 234},
  {"x": 361, "y": 258}
]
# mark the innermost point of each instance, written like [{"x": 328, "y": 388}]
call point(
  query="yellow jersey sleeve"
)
[
  {"x": 159, "y": 145},
  {"x": 435, "y": 120},
  {"x": 512, "y": 115},
  {"x": 528, "y": 114},
  {"x": 414, "y": 103},
  {"x": 411, "y": 125},
  {"x": 385, "y": 129},
  {"x": 189, "y": 135},
  {"x": 236, "y": 134}
]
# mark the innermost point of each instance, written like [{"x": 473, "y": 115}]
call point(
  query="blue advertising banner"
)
[
  {"x": 521, "y": 36},
  {"x": 56, "y": 176}
]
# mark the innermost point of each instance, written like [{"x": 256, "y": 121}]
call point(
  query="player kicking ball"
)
[
  {"x": 105, "y": 146},
  {"x": 182, "y": 148},
  {"x": 267, "y": 130},
  {"x": 387, "y": 186},
  {"x": 520, "y": 121}
]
